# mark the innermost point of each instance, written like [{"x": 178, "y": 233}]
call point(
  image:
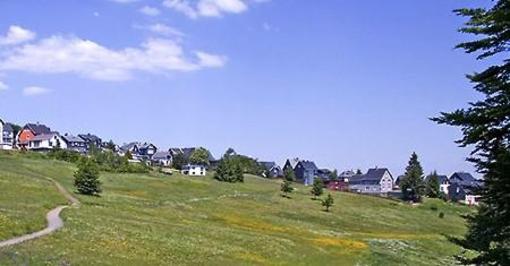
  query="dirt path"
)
[{"x": 53, "y": 218}]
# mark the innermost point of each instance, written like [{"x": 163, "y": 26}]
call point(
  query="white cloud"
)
[
  {"x": 149, "y": 11},
  {"x": 61, "y": 54},
  {"x": 268, "y": 27},
  {"x": 96, "y": 14},
  {"x": 3, "y": 86},
  {"x": 16, "y": 35},
  {"x": 35, "y": 91},
  {"x": 206, "y": 8},
  {"x": 161, "y": 29}
]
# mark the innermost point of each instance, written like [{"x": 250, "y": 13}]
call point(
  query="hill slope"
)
[{"x": 161, "y": 220}]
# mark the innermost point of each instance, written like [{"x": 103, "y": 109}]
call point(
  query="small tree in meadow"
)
[
  {"x": 289, "y": 175},
  {"x": 432, "y": 187},
  {"x": 317, "y": 189},
  {"x": 86, "y": 178},
  {"x": 286, "y": 188},
  {"x": 328, "y": 202}
]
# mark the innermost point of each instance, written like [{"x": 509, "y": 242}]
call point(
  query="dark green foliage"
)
[
  {"x": 441, "y": 215},
  {"x": 229, "y": 171},
  {"x": 412, "y": 184},
  {"x": 128, "y": 155},
  {"x": 109, "y": 161},
  {"x": 286, "y": 188},
  {"x": 110, "y": 145},
  {"x": 86, "y": 178},
  {"x": 200, "y": 156},
  {"x": 64, "y": 155},
  {"x": 485, "y": 125},
  {"x": 247, "y": 164},
  {"x": 318, "y": 188},
  {"x": 432, "y": 186},
  {"x": 333, "y": 175},
  {"x": 328, "y": 202},
  {"x": 178, "y": 161},
  {"x": 358, "y": 172},
  {"x": 289, "y": 175}
]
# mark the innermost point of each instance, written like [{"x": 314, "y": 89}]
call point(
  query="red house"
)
[
  {"x": 338, "y": 185},
  {"x": 29, "y": 131}
]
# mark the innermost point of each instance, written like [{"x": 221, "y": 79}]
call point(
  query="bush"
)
[
  {"x": 441, "y": 215},
  {"x": 434, "y": 207},
  {"x": 229, "y": 171},
  {"x": 64, "y": 155},
  {"x": 86, "y": 178}
]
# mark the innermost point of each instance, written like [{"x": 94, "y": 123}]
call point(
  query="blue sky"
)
[{"x": 348, "y": 84}]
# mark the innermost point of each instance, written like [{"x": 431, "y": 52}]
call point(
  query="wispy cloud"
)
[
  {"x": 70, "y": 54},
  {"x": 149, "y": 11},
  {"x": 16, "y": 35},
  {"x": 35, "y": 91},
  {"x": 124, "y": 1},
  {"x": 3, "y": 86},
  {"x": 268, "y": 27},
  {"x": 207, "y": 8},
  {"x": 161, "y": 29}
]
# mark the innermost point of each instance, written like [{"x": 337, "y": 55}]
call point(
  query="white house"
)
[
  {"x": 194, "y": 170},
  {"x": 6, "y": 136},
  {"x": 162, "y": 158},
  {"x": 45, "y": 142},
  {"x": 375, "y": 181}
]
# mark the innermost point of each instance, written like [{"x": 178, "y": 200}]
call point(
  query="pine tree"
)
[
  {"x": 328, "y": 202},
  {"x": 289, "y": 175},
  {"x": 86, "y": 179},
  {"x": 412, "y": 184},
  {"x": 286, "y": 188},
  {"x": 433, "y": 185},
  {"x": 317, "y": 188},
  {"x": 229, "y": 171},
  {"x": 485, "y": 125}
]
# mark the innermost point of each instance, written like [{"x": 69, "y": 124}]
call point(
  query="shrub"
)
[
  {"x": 433, "y": 207},
  {"x": 441, "y": 215},
  {"x": 86, "y": 178}
]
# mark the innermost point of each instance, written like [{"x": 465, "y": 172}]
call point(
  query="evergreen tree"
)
[
  {"x": 328, "y": 202},
  {"x": 178, "y": 161},
  {"x": 86, "y": 178},
  {"x": 317, "y": 188},
  {"x": 412, "y": 184},
  {"x": 433, "y": 185},
  {"x": 286, "y": 188},
  {"x": 358, "y": 172},
  {"x": 333, "y": 175},
  {"x": 289, "y": 175},
  {"x": 485, "y": 125},
  {"x": 110, "y": 145}
]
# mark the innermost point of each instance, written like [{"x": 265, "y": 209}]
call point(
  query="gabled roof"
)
[
  {"x": 130, "y": 146},
  {"x": 8, "y": 128},
  {"x": 89, "y": 137},
  {"x": 347, "y": 174},
  {"x": 293, "y": 162},
  {"x": 465, "y": 179},
  {"x": 186, "y": 152},
  {"x": 268, "y": 165},
  {"x": 37, "y": 129},
  {"x": 42, "y": 137},
  {"x": 70, "y": 138},
  {"x": 373, "y": 176},
  {"x": 308, "y": 165},
  {"x": 161, "y": 155},
  {"x": 441, "y": 178}
]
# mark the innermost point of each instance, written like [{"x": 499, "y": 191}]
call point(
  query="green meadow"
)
[{"x": 158, "y": 219}]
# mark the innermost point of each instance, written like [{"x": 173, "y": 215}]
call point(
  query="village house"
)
[
  {"x": 46, "y": 142},
  {"x": 28, "y": 132},
  {"x": 194, "y": 170},
  {"x": 290, "y": 164},
  {"x": 139, "y": 151},
  {"x": 272, "y": 168},
  {"x": 463, "y": 188},
  {"x": 338, "y": 185},
  {"x": 306, "y": 172},
  {"x": 7, "y": 136},
  {"x": 375, "y": 181},
  {"x": 187, "y": 152},
  {"x": 91, "y": 140},
  {"x": 75, "y": 143},
  {"x": 162, "y": 158}
]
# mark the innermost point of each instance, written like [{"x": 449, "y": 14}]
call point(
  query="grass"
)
[{"x": 167, "y": 220}]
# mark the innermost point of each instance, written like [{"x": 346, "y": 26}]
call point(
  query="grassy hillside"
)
[{"x": 162, "y": 220}]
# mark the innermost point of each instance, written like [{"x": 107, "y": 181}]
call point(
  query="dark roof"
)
[
  {"x": 70, "y": 138},
  {"x": 465, "y": 179},
  {"x": 38, "y": 128},
  {"x": 8, "y": 127},
  {"x": 268, "y": 165},
  {"x": 45, "y": 136},
  {"x": 309, "y": 165},
  {"x": 373, "y": 176},
  {"x": 129, "y": 146},
  {"x": 161, "y": 155}
]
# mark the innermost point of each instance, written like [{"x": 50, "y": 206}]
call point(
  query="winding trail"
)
[{"x": 53, "y": 218}]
